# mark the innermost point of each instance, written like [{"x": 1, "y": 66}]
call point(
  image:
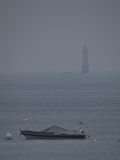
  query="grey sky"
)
[{"x": 48, "y": 35}]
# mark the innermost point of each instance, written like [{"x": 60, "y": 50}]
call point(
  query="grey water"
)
[{"x": 70, "y": 100}]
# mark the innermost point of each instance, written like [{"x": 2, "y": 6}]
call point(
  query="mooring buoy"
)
[{"x": 8, "y": 136}]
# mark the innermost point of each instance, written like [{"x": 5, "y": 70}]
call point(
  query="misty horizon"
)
[{"x": 48, "y": 36}]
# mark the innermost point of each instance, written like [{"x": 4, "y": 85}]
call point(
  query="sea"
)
[{"x": 36, "y": 101}]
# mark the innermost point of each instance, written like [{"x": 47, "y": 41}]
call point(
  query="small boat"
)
[{"x": 54, "y": 132}]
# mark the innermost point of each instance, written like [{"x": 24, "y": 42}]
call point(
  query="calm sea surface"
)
[{"x": 63, "y": 99}]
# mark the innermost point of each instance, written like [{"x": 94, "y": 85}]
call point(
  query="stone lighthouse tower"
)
[{"x": 85, "y": 64}]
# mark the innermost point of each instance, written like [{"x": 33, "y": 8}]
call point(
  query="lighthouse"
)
[{"x": 85, "y": 63}]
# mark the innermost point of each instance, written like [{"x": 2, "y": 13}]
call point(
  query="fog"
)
[{"x": 49, "y": 35}]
